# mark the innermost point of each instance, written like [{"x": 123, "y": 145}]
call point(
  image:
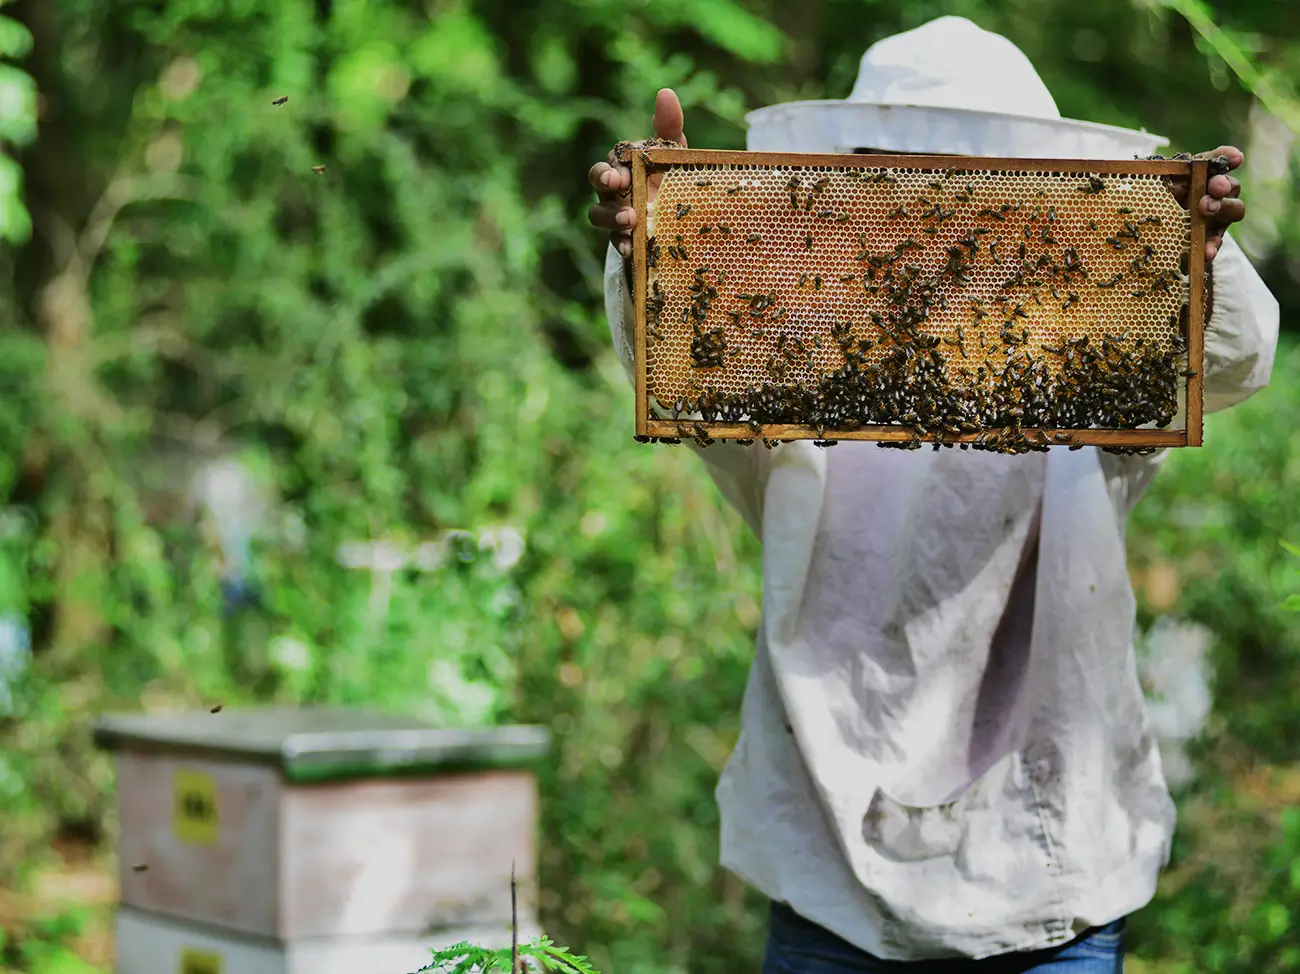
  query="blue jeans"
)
[{"x": 799, "y": 946}]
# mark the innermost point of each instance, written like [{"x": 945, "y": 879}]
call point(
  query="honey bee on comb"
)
[{"x": 935, "y": 364}]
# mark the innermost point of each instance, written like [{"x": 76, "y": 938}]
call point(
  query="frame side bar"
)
[
  {"x": 641, "y": 287},
  {"x": 1196, "y": 307}
]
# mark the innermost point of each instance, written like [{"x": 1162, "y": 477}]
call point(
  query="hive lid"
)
[{"x": 320, "y": 743}]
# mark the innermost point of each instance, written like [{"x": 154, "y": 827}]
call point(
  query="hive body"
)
[{"x": 1008, "y": 304}]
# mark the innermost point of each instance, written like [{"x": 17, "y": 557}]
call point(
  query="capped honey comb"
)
[{"x": 1005, "y": 304}]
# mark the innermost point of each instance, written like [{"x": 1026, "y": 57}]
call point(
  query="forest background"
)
[{"x": 223, "y": 375}]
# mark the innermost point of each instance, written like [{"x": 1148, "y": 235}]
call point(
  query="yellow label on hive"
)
[
  {"x": 199, "y": 962},
  {"x": 195, "y": 813}
]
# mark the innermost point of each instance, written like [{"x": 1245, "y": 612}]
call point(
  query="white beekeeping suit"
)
[{"x": 944, "y": 750}]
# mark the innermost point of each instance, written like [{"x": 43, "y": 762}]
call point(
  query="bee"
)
[
  {"x": 794, "y": 201},
  {"x": 140, "y": 867},
  {"x": 281, "y": 100},
  {"x": 724, "y": 229},
  {"x": 803, "y": 279},
  {"x": 935, "y": 185},
  {"x": 1094, "y": 185},
  {"x": 754, "y": 238},
  {"x": 817, "y": 282},
  {"x": 706, "y": 229},
  {"x": 643, "y": 439},
  {"x": 318, "y": 169},
  {"x": 216, "y": 709},
  {"x": 1092, "y": 224},
  {"x": 1124, "y": 211},
  {"x": 734, "y": 190},
  {"x": 1189, "y": 373},
  {"x": 897, "y": 212},
  {"x": 703, "y": 183},
  {"x": 808, "y": 242},
  {"x": 825, "y": 214},
  {"x": 843, "y": 218},
  {"x": 683, "y": 209}
]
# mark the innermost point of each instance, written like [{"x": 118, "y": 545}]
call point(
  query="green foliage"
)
[
  {"x": 1217, "y": 513},
  {"x": 465, "y": 958},
  {"x": 17, "y": 129},
  {"x": 409, "y": 348},
  {"x": 1292, "y": 602}
]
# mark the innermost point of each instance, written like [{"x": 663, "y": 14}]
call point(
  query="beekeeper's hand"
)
[
  {"x": 612, "y": 180},
  {"x": 1221, "y": 204}
]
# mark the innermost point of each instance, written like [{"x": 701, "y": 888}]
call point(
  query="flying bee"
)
[
  {"x": 318, "y": 169},
  {"x": 281, "y": 100}
]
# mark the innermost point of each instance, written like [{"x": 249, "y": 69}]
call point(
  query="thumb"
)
[{"x": 668, "y": 120}]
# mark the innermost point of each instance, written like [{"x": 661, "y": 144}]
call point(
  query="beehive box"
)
[
  {"x": 295, "y": 824},
  {"x": 151, "y": 944},
  {"x": 1005, "y": 304}
]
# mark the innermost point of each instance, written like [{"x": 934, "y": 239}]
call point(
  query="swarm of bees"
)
[{"x": 949, "y": 305}]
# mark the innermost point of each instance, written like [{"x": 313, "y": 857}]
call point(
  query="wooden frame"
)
[{"x": 648, "y": 160}]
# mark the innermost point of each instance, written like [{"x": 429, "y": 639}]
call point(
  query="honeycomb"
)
[{"x": 950, "y": 301}]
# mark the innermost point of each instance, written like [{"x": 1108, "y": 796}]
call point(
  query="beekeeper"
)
[{"x": 944, "y": 750}]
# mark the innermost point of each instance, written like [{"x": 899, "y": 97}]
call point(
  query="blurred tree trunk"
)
[{"x": 55, "y": 278}]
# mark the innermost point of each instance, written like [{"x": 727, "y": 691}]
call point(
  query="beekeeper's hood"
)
[{"x": 945, "y": 87}]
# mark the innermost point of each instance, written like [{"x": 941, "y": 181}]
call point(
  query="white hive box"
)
[
  {"x": 151, "y": 944},
  {"x": 292, "y": 825}
]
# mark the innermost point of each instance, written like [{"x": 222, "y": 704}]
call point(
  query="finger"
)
[
  {"x": 1230, "y": 212},
  {"x": 622, "y": 243},
  {"x": 1234, "y": 155},
  {"x": 609, "y": 181},
  {"x": 1212, "y": 249},
  {"x": 1221, "y": 186},
  {"x": 669, "y": 121},
  {"x": 611, "y": 216}
]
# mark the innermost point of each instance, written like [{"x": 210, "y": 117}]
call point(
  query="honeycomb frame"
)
[{"x": 1053, "y": 199}]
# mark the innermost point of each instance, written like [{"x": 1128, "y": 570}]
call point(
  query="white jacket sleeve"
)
[
  {"x": 1241, "y": 334},
  {"x": 739, "y": 471}
]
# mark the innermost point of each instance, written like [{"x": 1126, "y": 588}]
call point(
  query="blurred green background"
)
[{"x": 222, "y": 375}]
